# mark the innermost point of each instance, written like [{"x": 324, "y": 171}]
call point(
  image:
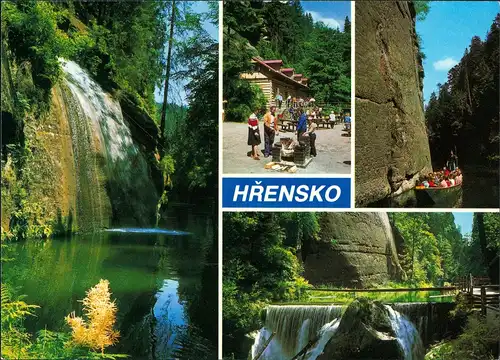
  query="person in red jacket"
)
[{"x": 254, "y": 135}]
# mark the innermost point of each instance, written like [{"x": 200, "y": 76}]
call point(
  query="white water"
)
[
  {"x": 121, "y": 170},
  {"x": 406, "y": 333},
  {"x": 290, "y": 338},
  {"x": 104, "y": 112},
  {"x": 294, "y": 328}
]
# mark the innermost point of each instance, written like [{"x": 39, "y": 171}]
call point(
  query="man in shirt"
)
[
  {"x": 302, "y": 124},
  {"x": 270, "y": 130}
]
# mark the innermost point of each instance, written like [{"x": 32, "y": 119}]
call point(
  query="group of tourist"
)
[
  {"x": 306, "y": 126},
  {"x": 451, "y": 175},
  {"x": 270, "y": 131},
  {"x": 294, "y": 101},
  {"x": 442, "y": 179}
]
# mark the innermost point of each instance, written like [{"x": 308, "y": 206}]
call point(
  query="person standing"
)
[
  {"x": 452, "y": 163},
  {"x": 254, "y": 135},
  {"x": 302, "y": 124},
  {"x": 289, "y": 101},
  {"x": 277, "y": 100},
  {"x": 332, "y": 119},
  {"x": 347, "y": 120},
  {"x": 270, "y": 130},
  {"x": 312, "y": 136}
]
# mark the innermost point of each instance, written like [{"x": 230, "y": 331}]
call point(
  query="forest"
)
[
  {"x": 283, "y": 30},
  {"x": 462, "y": 115},
  {"x": 266, "y": 260},
  {"x": 85, "y": 146}
]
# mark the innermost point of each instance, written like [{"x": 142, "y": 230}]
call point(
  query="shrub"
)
[{"x": 96, "y": 332}]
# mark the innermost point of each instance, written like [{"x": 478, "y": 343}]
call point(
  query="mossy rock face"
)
[
  {"x": 365, "y": 332},
  {"x": 355, "y": 250}
]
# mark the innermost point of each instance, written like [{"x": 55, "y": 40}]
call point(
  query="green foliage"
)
[
  {"x": 435, "y": 250},
  {"x": 125, "y": 45},
  {"x": 18, "y": 344},
  {"x": 422, "y": 9},
  {"x": 478, "y": 341},
  {"x": 328, "y": 297},
  {"x": 485, "y": 242},
  {"x": 194, "y": 142},
  {"x": 422, "y": 257},
  {"x": 463, "y": 115},
  {"x": 258, "y": 269},
  {"x": 280, "y": 30},
  {"x": 33, "y": 37},
  {"x": 14, "y": 310}
]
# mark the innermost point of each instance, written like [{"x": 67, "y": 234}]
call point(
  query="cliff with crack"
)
[
  {"x": 392, "y": 147},
  {"x": 354, "y": 250}
]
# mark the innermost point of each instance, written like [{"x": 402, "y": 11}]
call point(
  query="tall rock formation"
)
[
  {"x": 354, "y": 250},
  {"x": 392, "y": 147}
]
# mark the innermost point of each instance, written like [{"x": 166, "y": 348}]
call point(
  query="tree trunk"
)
[{"x": 167, "y": 76}]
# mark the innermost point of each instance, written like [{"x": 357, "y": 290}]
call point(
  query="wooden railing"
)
[
  {"x": 451, "y": 288},
  {"x": 481, "y": 294}
]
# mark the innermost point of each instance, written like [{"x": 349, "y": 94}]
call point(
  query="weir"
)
[
  {"x": 432, "y": 320},
  {"x": 294, "y": 326},
  {"x": 415, "y": 326},
  {"x": 114, "y": 184}
]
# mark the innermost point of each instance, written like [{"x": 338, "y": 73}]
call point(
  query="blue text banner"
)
[{"x": 286, "y": 193}]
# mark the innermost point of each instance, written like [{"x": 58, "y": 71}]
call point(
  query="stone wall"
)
[
  {"x": 354, "y": 250},
  {"x": 392, "y": 147}
]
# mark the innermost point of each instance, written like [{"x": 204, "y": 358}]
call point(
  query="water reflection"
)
[{"x": 156, "y": 279}]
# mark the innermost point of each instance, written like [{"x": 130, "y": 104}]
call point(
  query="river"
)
[
  {"x": 480, "y": 189},
  {"x": 156, "y": 280}
]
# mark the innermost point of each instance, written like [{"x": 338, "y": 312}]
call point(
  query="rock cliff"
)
[
  {"x": 354, "y": 250},
  {"x": 392, "y": 147}
]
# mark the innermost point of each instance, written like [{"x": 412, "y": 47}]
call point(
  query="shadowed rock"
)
[{"x": 392, "y": 147}]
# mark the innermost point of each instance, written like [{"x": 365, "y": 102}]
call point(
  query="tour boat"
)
[{"x": 439, "y": 196}]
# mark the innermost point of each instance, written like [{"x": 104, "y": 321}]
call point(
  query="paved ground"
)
[{"x": 334, "y": 152}]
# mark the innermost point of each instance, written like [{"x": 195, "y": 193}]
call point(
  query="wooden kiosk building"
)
[{"x": 273, "y": 80}]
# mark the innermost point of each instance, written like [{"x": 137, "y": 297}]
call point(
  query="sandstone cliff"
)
[
  {"x": 355, "y": 250},
  {"x": 392, "y": 147}
]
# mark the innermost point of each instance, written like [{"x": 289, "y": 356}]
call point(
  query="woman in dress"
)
[{"x": 254, "y": 135}]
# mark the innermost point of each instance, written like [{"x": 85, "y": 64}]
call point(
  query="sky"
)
[
  {"x": 331, "y": 13},
  {"x": 447, "y": 31},
  {"x": 177, "y": 93},
  {"x": 464, "y": 220}
]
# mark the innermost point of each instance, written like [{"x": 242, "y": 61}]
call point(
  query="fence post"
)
[{"x": 483, "y": 300}]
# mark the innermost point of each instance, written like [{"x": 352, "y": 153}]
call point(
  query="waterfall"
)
[
  {"x": 432, "y": 320},
  {"x": 294, "y": 327},
  {"x": 113, "y": 179},
  {"x": 406, "y": 334}
]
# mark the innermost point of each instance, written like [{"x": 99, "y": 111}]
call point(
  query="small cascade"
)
[
  {"x": 113, "y": 178},
  {"x": 294, "y": 327},
  {"x": 417, "y": 313},
  {"x": 432, "y": 320},
  {"x": 407, "y": 335}
]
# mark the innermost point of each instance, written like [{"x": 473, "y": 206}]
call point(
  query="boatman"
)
[{"x": 452, "y": 163}]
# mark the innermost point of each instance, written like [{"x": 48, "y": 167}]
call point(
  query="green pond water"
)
[{"x": 156, "y": 280}]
